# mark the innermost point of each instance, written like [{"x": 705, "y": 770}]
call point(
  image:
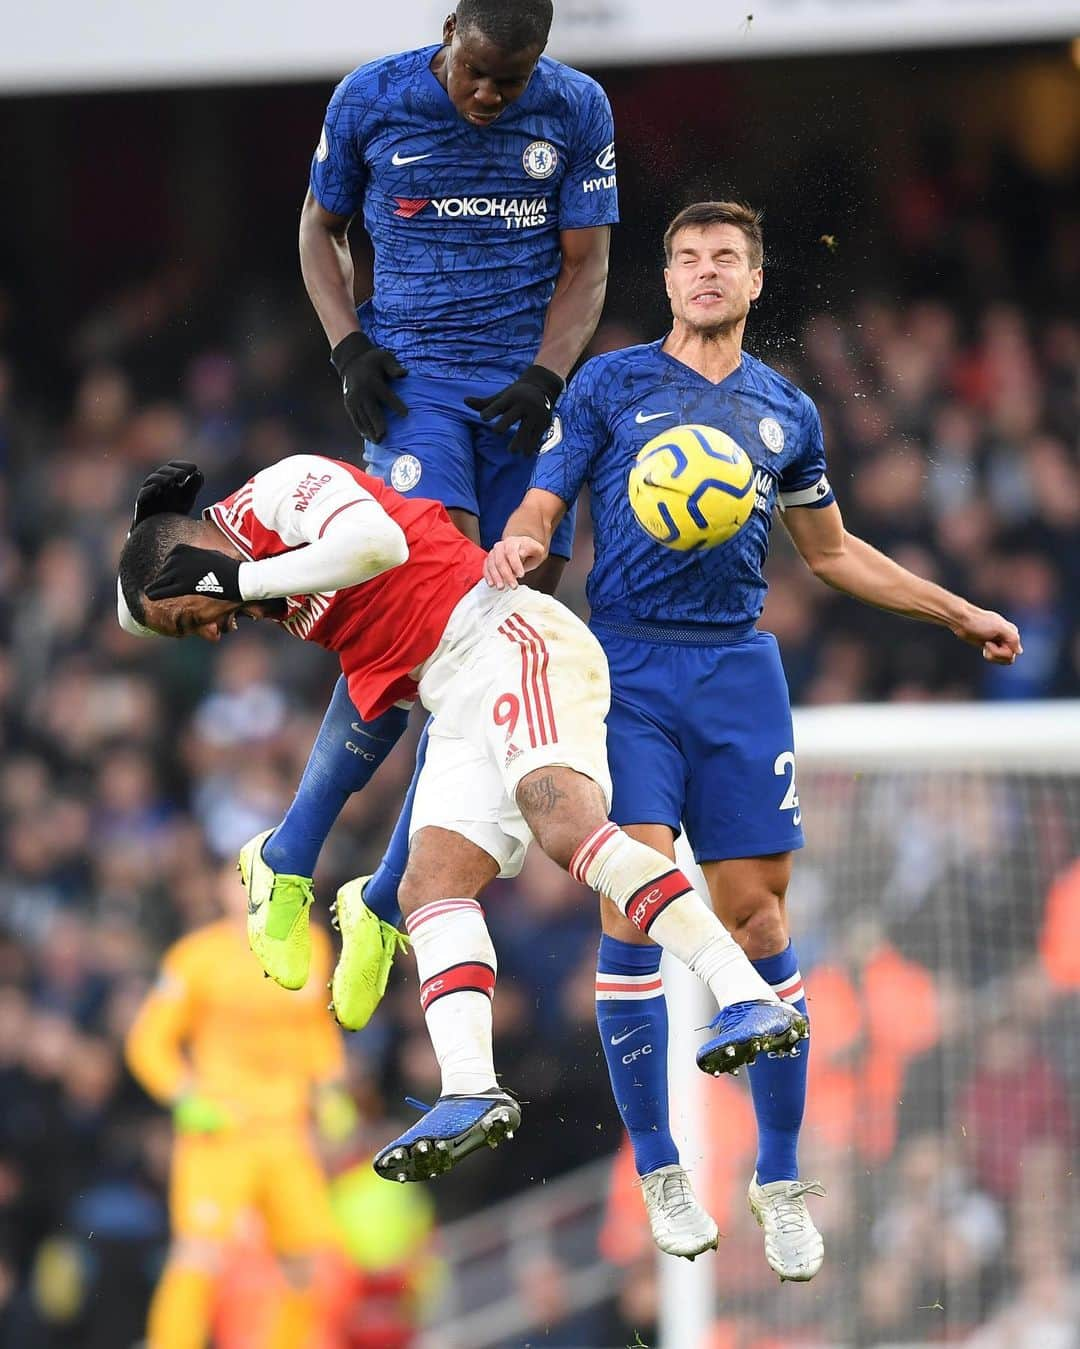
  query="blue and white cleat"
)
[
  {"x": 452, "y": 1128},
  {"x": 746, "y": 1029}
]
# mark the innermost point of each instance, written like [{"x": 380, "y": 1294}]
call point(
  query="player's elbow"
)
[
  {"x": 316, "y": 223},
  {"x": 387, "y": 549},
  {"x": 827, "y": 564}
]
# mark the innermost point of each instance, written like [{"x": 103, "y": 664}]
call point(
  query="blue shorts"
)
[
  {"x": 443, "y": 450},
  {"x": 700, "y": 735}
]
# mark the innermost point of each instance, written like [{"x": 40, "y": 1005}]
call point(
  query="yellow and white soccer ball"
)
[{"x": 692, "y": 487}]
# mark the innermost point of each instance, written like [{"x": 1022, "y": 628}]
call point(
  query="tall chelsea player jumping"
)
[
  {"x": 484, "y": 174},
  {"x": 699, "y": 731}
]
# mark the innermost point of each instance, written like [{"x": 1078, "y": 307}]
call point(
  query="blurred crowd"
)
[{"x": 944, "y": 1113}]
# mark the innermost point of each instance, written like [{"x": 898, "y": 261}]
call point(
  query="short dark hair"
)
[
  {"x": 512, "y": 25},
  {"x": 144, "y": 554},
  {"x": 737, "y": 213}
]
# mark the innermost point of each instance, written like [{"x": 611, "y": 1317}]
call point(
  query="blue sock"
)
[
  {"x": 631, "y": 1012},
  {"x": 380, "y": 893},
  {"x": 778, "y": 1085},
  {"x": 346, "y": 753}
]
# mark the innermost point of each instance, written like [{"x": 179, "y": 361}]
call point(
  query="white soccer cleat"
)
[
  {"x": 793, "y": 1246},
  {"x": 680, "y": 1226}
]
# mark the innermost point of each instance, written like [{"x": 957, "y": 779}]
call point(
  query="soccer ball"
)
[{"x": 692, "y": 487}]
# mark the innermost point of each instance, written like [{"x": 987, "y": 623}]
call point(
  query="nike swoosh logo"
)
[
  {"x": 400, "y": 159},
  {"x": 644, "y": 417},
  {"x": 254, "y": 906},
  {"x": 618, "y": 1039}
]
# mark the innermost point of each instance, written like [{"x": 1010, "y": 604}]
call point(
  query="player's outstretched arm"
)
[
  {"x": 327, "y": 269},
  {"x": 850, "y": 564},
  {"x": 360, "y": 545},
  {"x": 526, "y": 539},
  {"x": 365, "y": 370}
]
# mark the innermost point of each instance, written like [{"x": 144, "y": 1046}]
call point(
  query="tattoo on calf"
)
[{"x": 540, "y": 797}]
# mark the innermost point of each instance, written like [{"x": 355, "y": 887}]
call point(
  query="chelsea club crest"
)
[
  {"x": 540, "y": 159},
  {"x": 405, "y": 472},
  {"x": 771, "y": 433}
]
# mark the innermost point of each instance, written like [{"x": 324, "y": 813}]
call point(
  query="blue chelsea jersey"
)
[
  {"x": 464, "y": 220},
  {"x": 615, "y": 405}
]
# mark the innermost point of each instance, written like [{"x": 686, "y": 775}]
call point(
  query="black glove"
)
[
  {"x": 529, "y": 401},
  {"x": 197, "y": 571},
  {"x": 366, "y": 371},
  {"x": 172, "y": 487}
]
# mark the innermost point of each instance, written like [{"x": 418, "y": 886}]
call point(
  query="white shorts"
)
[{"x": 517, "y": 683}]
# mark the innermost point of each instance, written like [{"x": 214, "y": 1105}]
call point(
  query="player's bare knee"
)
[
  {"x": 443, "y": 865},
  {"x": 562, "y": 808},
  {"x": 758, "y": 924}
]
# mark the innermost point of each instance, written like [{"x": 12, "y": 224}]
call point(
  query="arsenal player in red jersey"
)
[{"x": 518, "y": 689}]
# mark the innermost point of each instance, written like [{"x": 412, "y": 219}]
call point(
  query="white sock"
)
[
  {"x": 658, "y": 899},
  {"x": 456, "y": 964}
]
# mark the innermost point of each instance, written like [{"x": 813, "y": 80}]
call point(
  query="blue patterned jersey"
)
[
  {"x": 616, "y": 404},
  {"x": 464, "y": 220}
]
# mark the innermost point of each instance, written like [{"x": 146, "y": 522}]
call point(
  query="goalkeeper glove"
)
[
  {"x": 366, "y": 371},
  {"x": 336, "y": 1115},
  {"x": 529, "y": 401},
  {"x": 194, "y": 1114},
  {"x": 172, "y": 487},
  {"x": 197, "y": 571}
]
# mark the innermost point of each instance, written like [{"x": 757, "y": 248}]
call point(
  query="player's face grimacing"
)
[
  {"x": 709, "y": 279},
  {"x": 198, "y": 616},
  {"x": 480, "y": 78}
]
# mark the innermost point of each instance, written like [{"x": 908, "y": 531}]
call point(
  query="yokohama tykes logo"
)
[
  {"x": 517, "y": 212},
  {"x": 407, "y": 207}
]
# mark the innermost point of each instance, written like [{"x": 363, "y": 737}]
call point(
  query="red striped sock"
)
[
  {"x": 659, "y": 900},
  {"x": 457, "y": 966}
]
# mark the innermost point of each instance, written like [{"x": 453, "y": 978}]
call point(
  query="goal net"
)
[{"x": 936, "y": 910}]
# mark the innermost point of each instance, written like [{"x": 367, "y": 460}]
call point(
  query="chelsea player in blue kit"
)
[
  {"x": 700, "y": 732},
  {"x": 484, "y": 174}
]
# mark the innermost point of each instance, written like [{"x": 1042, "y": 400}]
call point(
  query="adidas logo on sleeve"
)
[{"x": 209, "y": 585}]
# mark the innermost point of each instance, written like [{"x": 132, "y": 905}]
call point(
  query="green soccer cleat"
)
[
  {"x": 277, "y": 924},
  {"x": 368, "y": 948}
]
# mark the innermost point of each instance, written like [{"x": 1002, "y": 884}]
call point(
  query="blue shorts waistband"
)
[{"x": 675, "y": 634}]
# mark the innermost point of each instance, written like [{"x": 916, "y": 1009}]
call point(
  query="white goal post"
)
[{"x": 934, "y": 834}]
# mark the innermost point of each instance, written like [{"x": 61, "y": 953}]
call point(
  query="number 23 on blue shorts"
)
[{"x": 701, "y": 735}]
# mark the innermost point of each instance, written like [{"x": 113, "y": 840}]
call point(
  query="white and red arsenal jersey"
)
[{"x": 384, "y": 627}]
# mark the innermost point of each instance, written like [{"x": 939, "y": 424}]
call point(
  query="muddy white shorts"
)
[{"x": 516, "y": 684}]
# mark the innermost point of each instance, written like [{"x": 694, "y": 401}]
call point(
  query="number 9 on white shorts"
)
[{"x": 518, "y": 683}]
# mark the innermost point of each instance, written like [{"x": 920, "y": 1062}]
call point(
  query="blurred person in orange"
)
[
  {"x": 1059, "y": 940},
  {"x": 864, "y": 1042},
  {"x": 247, "y": 1069}
]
